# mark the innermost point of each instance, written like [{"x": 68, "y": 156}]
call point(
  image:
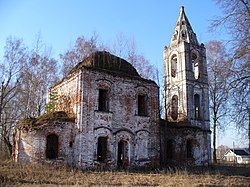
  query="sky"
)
[{"x": 150, "y": 23}]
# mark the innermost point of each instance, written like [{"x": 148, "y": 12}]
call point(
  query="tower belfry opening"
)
[{"x": 183, "y": 30}]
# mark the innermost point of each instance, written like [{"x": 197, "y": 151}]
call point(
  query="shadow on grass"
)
[{"x": 226, "y": 170}]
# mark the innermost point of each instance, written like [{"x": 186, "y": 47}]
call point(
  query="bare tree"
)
[
  {"x": 126, "y": 48},
  {"x": 14, "y": 58},
  {"x": 82, "y": 48},
  {"x": 38, "y": 74},
  {"x": 25, "y": 77},
  {"x": 122, "y": 46},
  {"x": 219, "y": 86},
  {"x": 236, "y": 22}
]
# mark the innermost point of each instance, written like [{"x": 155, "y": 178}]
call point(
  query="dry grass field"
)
[{"x": 13, "y": 174}]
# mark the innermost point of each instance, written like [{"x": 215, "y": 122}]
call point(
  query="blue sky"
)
[{"x": 149, "y": 22}]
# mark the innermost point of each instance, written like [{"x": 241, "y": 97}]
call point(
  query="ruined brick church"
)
[{"x": 116, "y": 112}]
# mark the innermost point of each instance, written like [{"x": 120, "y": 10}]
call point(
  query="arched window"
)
[
  {"x": 174, "y": 66},
  {"x": 195, "y": 65},
  {"x": 52, "y": 146},
  {"x": 102, "y": 148},
  {"x": 170, "y": 149},
  {"x": 196, "y": 106},
  {"x": 189, "y": 149},
  {"x": 174, "y": 109}
]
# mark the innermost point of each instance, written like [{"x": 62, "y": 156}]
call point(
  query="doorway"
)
[
  {"x": 52, "y": 146},
  {"x": 122, "y": 154}
]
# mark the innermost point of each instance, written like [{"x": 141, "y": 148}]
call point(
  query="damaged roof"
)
[{"x": 103, "y": 60}]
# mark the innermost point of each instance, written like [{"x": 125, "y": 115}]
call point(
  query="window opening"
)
[
  {"x": 174, "y": 104},
  {"x": 173, "y": 66},
  {"x": 183, "y": 35},
  {"x": 175, "y": 35},
  {"x": 71, "y": 144},
  {"x": 142, "y": 105},
  {"x": 195, "y": 65},
  {"x": 197, "y": 106},
  {"x": 103, "y": 101}
]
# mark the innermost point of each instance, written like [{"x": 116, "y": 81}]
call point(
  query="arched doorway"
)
[
  {"x": 122, "y": 154},
  {"x": 102, "y": 149},
  {"x": 170, "y": 149},
  {"x": 189, "y": 148},
  {"x": 52, "y": 146}
]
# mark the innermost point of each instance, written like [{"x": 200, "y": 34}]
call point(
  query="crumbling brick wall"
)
[
  {"x": 180, "y": 135},
  {"x": 30, "y": 144},
  {"x": 120, "y": 122},
  {"x": 117, "y": 117}
]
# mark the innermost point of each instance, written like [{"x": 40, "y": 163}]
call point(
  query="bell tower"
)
[{"x": 185, "y": 77}]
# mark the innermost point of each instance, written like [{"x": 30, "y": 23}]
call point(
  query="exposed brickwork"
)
[
  {"x": 31, "y": 144},
  {"x": 180, "y": 134},
  {"x": 104, "y": 92},
  {"x": 80, "y": 93}
]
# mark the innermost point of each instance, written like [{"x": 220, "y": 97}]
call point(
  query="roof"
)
[
  {"x": 103, "y": 60},
  {"x": 183, "y": 30},
  {"x": 240, "y": 152},
  {"x": 106, "y": 62}
]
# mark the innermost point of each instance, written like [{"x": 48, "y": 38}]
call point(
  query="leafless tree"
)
[
  {"x": 14, "y": 57},
  {"x": 122, "y": 46},
  {"x": 38, "y": 74},
  {"x": 81, "y": 49},
  {"x": 125, "y": 48},
  {"x": 219, "y": 87},
  {"x": 25, "y": 77},
  {"x": 236, "y": 22}
]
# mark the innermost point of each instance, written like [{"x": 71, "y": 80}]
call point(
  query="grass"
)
[{"x": 14, "y": 174}]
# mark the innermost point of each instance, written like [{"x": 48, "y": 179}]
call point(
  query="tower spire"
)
[{"x": 183, "y": 30}]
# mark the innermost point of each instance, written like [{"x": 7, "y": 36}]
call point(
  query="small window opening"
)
[
  {"x": 142, "y": 105},
  {"x": 170, "y": 149},
  {"x": 52, "y": 146},
  {"x": 196, "y": 70},
  {"x": 175, "y": 35},
  {"x": 189, "y": 148},
  {"x": 103, "y": 100},
  {"x": 183, "y": 35},
  {"x": 174, "y": 104},
  {"x": 197, "y": 106},
  {"x": 173, "y": 66},
  {"x": 102, "y": 148},
  {"x": 71, "y": 144},
  {"x": 193, "y": 56},
  {"x": 195, "y": 65}
]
